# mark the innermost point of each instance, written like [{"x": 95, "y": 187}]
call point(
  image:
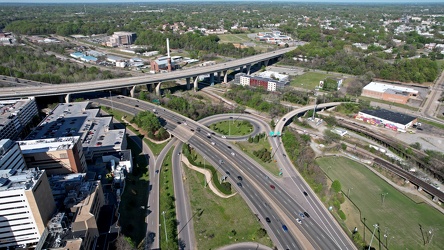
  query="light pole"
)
[
  {"x": 383, "y": 197},
  {"x": 349, "y": 192},
  {"x": 164, "y": 223},
  {"x": 205, "y": 177},
  {"x": 111, "y": 98},
  {"x": 373, "y": 235}
]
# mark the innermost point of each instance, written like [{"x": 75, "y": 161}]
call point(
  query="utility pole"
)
[
  {"x": 383, "y": 197},
  {"x": 111, "y": 98},
  {"x": 205, "y": 177},
  {"x": 349, "y": 192},
  {"x": 364, "y": 229}
]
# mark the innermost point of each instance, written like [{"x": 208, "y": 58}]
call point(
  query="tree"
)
[{"x": 336, "y": 186}]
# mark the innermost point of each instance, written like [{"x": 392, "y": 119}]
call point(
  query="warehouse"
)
[
  {"x": 386, "y": 118},
  {"x": 389, "y": 92}
]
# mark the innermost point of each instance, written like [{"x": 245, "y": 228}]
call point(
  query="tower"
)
[{"x": 169, "y": 57}]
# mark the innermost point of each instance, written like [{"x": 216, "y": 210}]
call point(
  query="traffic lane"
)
[
  {"x": 284, "y": 238},
  {"x": 185, "y": 224},
  {"x": 280, "y": 196},
  {"x": 244, "y": 162}
]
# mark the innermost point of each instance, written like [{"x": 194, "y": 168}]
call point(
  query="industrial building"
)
[
  {"x": 388, "y": 119},
  {"x": 11, "y": 157},
  {"x": 389, "y": 92},
  {"x": 26, "y": 205},
  {"x": 121, "y": 38},
  {"x": 15, "y": 115},
  {"x": 256, "y": 81}
]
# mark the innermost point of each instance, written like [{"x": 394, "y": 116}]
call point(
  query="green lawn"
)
[
  {"x": 400, "y": 216},
  {"x": 309, "y": 80},
  {"x": 248, "y": 148},
  {"x": 389, "y": 103},
  {"x": 229, "y": 127},
  {"x": 214, "y": 218},
  {"x": 234, "y": 38},
  {"x": 166, "y": 202},
  {"x": 117, "y": 113},
  {"x": 156, "y": 148},
  {"x": 134, "y": 199},
  {"x": 435, "y": 124}
]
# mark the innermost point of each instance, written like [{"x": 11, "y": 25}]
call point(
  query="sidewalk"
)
[{"x": 207, "y": 174}]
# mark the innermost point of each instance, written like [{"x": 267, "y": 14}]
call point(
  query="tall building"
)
[
  {"x": 15, "y": 115},
  {"x": 61, "y": 155},
  {"x": 11, "y": 157},
  {"x": 121, "y": 38},
  {"x": 26, "y": 205}
]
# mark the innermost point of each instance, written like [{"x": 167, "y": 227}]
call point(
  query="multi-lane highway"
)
[
  {"x": 82, "y": 87},
  {"x": 276, "y": 203}
]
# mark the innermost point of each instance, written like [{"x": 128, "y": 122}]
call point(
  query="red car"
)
[{"x": 272, "y": 186}]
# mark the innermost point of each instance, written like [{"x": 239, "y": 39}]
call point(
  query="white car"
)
[
  {"x": 299, "y": 221},
  {"x": 224, "y": 137},
  {"x": 212, "y": 143},
  {"x": 233, "y": 154}
]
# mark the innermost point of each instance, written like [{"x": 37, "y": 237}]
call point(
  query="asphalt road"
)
[{"x": 256, "y": 188}]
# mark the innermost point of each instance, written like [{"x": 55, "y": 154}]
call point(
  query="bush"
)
[
  {"x": 336, "y": 186},
  {"x": 342, "y": 214}
]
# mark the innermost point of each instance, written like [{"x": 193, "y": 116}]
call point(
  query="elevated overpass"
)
[{"x": 132, "y": 82}]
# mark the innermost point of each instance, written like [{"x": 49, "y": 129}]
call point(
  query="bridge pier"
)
[
  {"x": 212, "y": 79},
  {"x": 188, "y": 83},
  {"x": 226, "y": 76},
  {"x": 266, "y": 63},
  {"x": 133, "y": 91},
  {"x": 196, "y": 81},
  {"x": 248, "y": 69},
  {"x": 124, "y": 91},
  {"x": 67, "y": 98},
  {"x": 149, "y": 88},
  {"x": 241, "y": 69},
  {"x": 218, "y": 76},
  {"x": 158, "y": 85}
]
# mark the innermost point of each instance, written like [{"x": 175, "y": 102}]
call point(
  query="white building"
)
[
  {"x": 15, "y": 115},
  {"x": 26, "y": 205},
  {"x": 11, "y": 157}
]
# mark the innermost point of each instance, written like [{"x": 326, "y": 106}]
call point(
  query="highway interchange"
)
[{"x": 281, "y": 204}]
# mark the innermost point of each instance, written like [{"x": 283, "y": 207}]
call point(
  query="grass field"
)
[
  {"x": 234, "y": 38},
  {"x": 406, "y": 222},
  {"x": 134, "y": 198},
  {"x": 389, "y": 103},
  {"x": 309, "y": 80},
  {"x": 156, "y": 148},
  {"x": 232, "y": 128},
  {"x": 248, "y": 148},
  {"x": 166, "y": 203},
  {"x": 215, "y": 218}
]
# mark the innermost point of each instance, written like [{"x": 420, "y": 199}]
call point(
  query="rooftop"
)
[
  {"x": 10, "y": 108},
  {"x": 45, "y": 145},
  {"x": 390, "y": 115},
  {"x": 22, "y": 179},
  {"x": 383, "y": 87}
]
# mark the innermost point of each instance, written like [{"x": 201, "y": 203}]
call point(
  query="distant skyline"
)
[{"x": 262, "y": 1}]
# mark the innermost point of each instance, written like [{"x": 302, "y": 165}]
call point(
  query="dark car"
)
[
  {"x": 136, "y": 106},
  {"x": 267, "y": 220},
  {"x": 272, "y": 187},
  {"x": 306, "y": 215},
  {"x": 284, "y": 227},
  {"x": 239, "y": 178},
  {"x": 228, "y": 173},
  {"x": 305, "y": 193},
  {"x": 419, "y": 128},
  {"x": 179, "y": 122},
  {"x": 239, "y": 184}
]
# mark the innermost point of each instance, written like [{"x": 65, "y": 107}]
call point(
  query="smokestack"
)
[
  {"x": 168, "y": 47},
  {"x": 169, "y": 57}
]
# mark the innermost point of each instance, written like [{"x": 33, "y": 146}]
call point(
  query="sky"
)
[{"x": 164, "y": 1}]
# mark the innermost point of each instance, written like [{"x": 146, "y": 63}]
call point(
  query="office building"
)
[
  {"x": 26, "y": 205},
  {"x": 11, "y": 157},
  {"x": 15, "y": 115},
  {"x": 121, "y": 38}
]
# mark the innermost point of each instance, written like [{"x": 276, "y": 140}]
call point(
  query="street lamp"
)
[
  {"x": 383, "y": 197},
  {"x": 349, "y": 192},
  {"x": 373, "y": 235},
  {"x": 111, "y": 98},
  {"x": 205, "y": 178},
  {"x": 164, "y": 223}
]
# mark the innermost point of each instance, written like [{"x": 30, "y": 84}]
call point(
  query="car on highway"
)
[
  {"x": 306, "y": 215},
  {"x": 267, "y": 220},
  {"x": 284, "y": 119},
  {"x": 192, "y": 130},
  {"x": 136, "y": 106},
  {"x": 224, "y": 137},
  {"x": 212, "y": 143},
  {"x": 302, "y": 215},
  {"x": 284, "y": 227},
  {"x": 239, "y": 184},
  {"x": 299, "y": 221},
  {"x": 179, "y": 122},
  {"x": 305, "y": 193},
  {"x": 198, "y": 129},
  {"x": 272, "y": 187},
  {"x": 233, "y": 154},
  {"x": 239, "y": 178},
  {"x": 228, "y": 173}
]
